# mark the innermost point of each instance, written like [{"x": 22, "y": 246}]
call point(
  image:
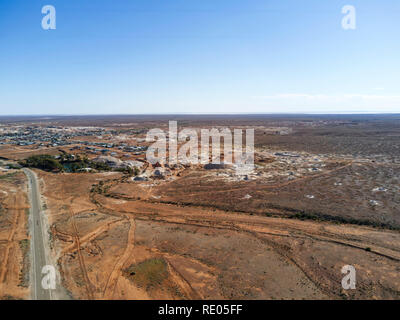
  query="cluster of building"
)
[
  {"x": 53, "y": 136},
  {"x": 49, "y": 136},
  {"x": 106, "y": 148}
]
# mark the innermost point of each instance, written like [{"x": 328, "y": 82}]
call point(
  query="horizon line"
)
[{"x": 198, "y": 113}]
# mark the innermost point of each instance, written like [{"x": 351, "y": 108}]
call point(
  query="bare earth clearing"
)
[
  {"x": 324, "y": 194},
  {"x": 14, "y": 239}
]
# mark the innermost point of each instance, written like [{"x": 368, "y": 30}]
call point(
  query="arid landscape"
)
[
  {"x": 14, "y": 237},
  {"x": 324, "y": 193}
]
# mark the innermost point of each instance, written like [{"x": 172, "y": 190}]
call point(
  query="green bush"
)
[{"x": 44, "y": 162}]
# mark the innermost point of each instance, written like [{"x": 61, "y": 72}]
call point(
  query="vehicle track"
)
[
  {"x": 112, "y": 280},
  {"x": 88, "y": 237},
  {"x": 10, "y": 239},
  {"x": 88, "y": 284}
]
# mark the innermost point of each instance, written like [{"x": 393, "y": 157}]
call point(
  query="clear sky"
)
[{"x": 203, "y": 56}]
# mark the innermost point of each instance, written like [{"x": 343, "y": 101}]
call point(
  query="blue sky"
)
[{"x": 205, "y": 56}]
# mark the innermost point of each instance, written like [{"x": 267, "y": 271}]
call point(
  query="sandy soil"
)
[
  {"x": 115, "y": 240},
  {"x": 14, "y": 239},
  {"x": 284, "y": 233}
]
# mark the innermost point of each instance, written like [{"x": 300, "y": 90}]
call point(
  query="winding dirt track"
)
[
  {"x": 77, "y": 243},
  {"x": 116, "y": 272},
  {"x": 87, "y": 237},
  {"x": 270, "y": 230},
  {"x": 237, "y": 221}
]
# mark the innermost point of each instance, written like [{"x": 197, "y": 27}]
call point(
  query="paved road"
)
[{"x": 38, "y": 260}]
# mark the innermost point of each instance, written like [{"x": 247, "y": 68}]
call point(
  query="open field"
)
[
  {"x": 14, "y": 239},
  {"x": 208, "y": 253},
  {"x": 324, "y": 194},
  {"x": 342, "y": 192}
]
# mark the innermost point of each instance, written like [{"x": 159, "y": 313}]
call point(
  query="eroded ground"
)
[
  {"x": 14, "y": 239},
  {"x": 118, "y": 241},
  {"x": 324, "y": 194}
]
